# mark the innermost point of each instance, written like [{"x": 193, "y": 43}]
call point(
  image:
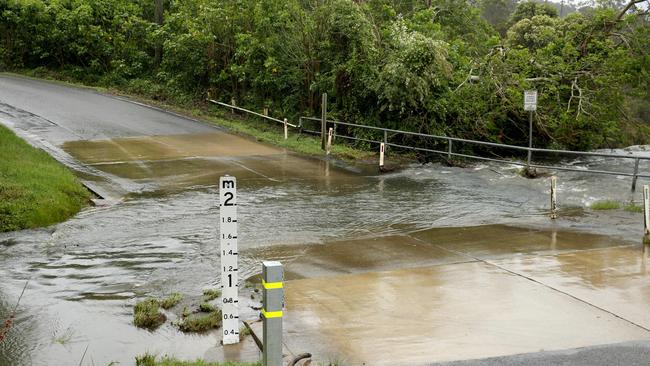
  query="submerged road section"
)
[{"x": 427, "y": 265}]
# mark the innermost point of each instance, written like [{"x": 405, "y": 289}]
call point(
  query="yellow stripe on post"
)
[
  {"x": 272, "y": 285},
  {"x": 271, "y": 314}
]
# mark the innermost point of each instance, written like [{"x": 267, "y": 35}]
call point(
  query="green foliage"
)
[
  {"x": 201, "y": 322},
  {"x": 206, "y": 307},
  {"x": 171, "y": 301},
  {"x": 432, "y": 66},
  {"x": 605, "y": 205},
  {"x": 35, "y": 190},
  {"x": 633, "y": 208},
  {"x": 211, "y": 294},
  {"x": 530, "y": 9},
  {"x": 146, "y": 314},
  {"x": 150, "y": 360}
]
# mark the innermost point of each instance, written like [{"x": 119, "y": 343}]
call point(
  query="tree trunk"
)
[{"x": 158, "y": 18}]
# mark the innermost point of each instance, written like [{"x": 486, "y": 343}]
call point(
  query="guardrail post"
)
[
  {"x": 449, "y": 143},
  {"x": 273, "y": 302},
  {"x": 385, "y": 139},
  {"x": 286, "y": 129},
  {"x": 330, "y": 133},
  {"x": 636, "y": 173},
  {"x": 323, "y": 122},
  {"x": 553, "y": 197},
  {"x": 232, "y": 103}
]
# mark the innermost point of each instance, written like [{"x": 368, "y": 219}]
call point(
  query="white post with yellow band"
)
[{"x": 273, "y": 302}]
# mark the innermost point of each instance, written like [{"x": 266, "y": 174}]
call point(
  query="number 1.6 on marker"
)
[{"x": 229, "y": 258}]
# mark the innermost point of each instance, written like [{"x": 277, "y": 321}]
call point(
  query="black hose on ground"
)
[{"x": 298, "y": 358}]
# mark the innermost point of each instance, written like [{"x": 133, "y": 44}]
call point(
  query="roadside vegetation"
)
[
  {"x": 151, "y": 360},
  {"x": 444, "y": 67},
  {"x": 151, "y": 313},
  {"x": 146, "y": 314},
  {"x": 35, "y": 190},
  {"x": 615, "y": 205},
  {"x": 605, "y": 205}
]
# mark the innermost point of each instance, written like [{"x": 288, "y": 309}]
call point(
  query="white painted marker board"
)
[{"x": 229, "y": 258}]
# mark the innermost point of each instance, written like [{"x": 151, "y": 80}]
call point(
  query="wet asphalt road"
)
[
  {"x": 69, "y": 113},
  {"x": 623, "y": 354}
]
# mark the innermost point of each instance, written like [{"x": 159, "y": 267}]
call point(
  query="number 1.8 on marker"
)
[{"x": 229, "y": 258}]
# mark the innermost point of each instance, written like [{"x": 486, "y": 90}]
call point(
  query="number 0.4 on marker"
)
[{"x": 229, "y": 258}]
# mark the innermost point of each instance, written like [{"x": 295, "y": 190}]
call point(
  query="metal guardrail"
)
[
  {"x": 251, "y": 112},
  {"x": 450, "y": 153}
]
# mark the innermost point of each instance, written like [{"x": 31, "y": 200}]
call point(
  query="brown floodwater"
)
[{"x": 437, "y": 263}]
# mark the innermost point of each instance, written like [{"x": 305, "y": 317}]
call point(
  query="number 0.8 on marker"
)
[{"x": 229, "y": 258}]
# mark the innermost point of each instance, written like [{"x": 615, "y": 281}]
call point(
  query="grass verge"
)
[
  {"x": 605, "y": 205},
  {"x": 151, "y": 360},
  {"x": 35, "y": 189}
]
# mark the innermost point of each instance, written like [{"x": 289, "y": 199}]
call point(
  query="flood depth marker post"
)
[
  {"x": 646, "y": 215},
  {"x": 382, "y": 147},
  {"x": 553, "y": 197},
  {"x": 229, "y": 258},
  {"x": 273, "y": 302}
]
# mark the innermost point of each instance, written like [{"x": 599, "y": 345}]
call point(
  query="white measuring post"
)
[
  {"x": 229, "y": 258},
  {"x": 382, "y": 146},
  {"x": 272, "y": 305},
  {"x": 530, "y": 105},
  {"x": 330, "y": 133},
  {"x": 553, "y": 197},
  {"x": 286, "y": 129},
  {"x": 646, "y": 214}
]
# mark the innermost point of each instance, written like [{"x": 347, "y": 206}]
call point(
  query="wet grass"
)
[
  {"x": 151, "y": 360},
  {"x": 633, "y": 208},
  {"x": 211, "y": 294},
  {"x": 171, "y": 300},
  {"x": 146, "y": 314},
  {"x": 196, "y": 323},
  {"x": 605, "y": 205},
  {"x": 206, "y": 307},
  {"x": 35, "y": 190}
]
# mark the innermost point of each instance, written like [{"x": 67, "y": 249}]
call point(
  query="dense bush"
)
[{"x": 433, "y": 66}]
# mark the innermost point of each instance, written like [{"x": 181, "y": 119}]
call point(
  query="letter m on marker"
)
[{"x": 228, "y": 184}]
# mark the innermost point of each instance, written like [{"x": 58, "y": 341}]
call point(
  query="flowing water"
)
[{"x": 86, "y": 274}]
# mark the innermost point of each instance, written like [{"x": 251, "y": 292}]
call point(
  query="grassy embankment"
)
[
  {"x": 35, "y": 190},
  {"x": 192, "y": 106}
]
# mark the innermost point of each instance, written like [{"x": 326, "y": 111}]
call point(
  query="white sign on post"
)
[
  {"x": 530, "y": 100},
  {"x": 229, "y": 258}
]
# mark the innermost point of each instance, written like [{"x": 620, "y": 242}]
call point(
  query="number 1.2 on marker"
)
[{"x": 229, "y": 258}]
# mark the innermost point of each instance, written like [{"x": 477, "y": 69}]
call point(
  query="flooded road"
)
[{"x": 464, "y": 262}]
